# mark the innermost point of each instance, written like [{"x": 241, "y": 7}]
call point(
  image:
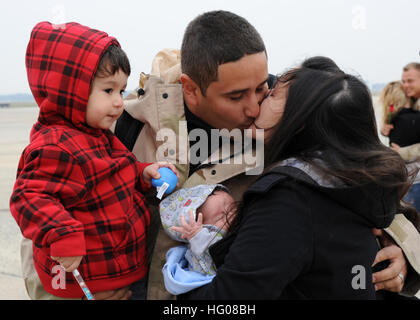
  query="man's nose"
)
[{"x": 252, "y": 108}]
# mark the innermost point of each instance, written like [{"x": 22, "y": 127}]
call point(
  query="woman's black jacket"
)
[{"x": 300, "y": 240}]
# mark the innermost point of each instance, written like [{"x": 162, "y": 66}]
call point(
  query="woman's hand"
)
[{"x": 389, "y": 279}]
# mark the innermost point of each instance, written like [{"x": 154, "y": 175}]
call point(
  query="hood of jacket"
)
[
  {"x": 61, "y": 61},
  {"x": 375, "y": 204}
]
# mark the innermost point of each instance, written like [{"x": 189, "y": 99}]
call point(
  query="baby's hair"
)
[
  {"x": 221, "y": 188},
  {"x": 113, "y": 59},
  {"x": 233, "y": 207},
  {"x": 393, "y": 95}
]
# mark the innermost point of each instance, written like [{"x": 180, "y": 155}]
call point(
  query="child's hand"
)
[
  {"x": 151, "y": 172},
  {"x": 189, "y": 230},
  {"x": 68, "y": 263}
]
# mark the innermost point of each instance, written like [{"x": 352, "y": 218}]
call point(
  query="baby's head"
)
[
  {"x": 105, "y": 104},
  {"x": 214, "y": 202},
  {"x": 219, "y": 209}
]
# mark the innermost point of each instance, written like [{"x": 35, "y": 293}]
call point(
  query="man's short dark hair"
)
[{"x": 214, "y": 38}]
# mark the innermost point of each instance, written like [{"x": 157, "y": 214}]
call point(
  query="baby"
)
[{"x": 199, "y": 216}]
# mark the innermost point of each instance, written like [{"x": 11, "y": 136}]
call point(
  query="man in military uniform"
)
[{"x": 219, "y": 84}]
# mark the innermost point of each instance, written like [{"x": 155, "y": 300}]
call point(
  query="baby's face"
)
[
  {"x": 218, "y": 209},
  {"x": 271, "y": 111}
]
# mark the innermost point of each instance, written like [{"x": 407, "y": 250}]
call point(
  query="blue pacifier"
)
[{"x": 166, "y": 183}]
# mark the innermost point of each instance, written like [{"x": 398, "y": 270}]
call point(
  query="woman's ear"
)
[{"x": 192, "y": 92}]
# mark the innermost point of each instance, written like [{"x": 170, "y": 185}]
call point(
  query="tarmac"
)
[{"x": 15, "y": 126}]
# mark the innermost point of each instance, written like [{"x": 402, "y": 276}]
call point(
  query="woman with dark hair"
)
[{"x": 304, "y": 230}]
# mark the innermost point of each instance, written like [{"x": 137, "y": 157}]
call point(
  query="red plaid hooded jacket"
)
[{"x": 78, "y": 189}]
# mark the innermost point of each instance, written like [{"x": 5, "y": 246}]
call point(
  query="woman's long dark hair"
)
[
  {"x": 329, "y": 116},
  {"x": 330, "y": 111}
]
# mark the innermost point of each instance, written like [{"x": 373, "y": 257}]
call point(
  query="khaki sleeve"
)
[
  {"x": 410, "y": 153},
  {"x": 407, "y": 238}
]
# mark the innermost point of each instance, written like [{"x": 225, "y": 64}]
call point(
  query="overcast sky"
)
[{"x": 372, "y": 38}]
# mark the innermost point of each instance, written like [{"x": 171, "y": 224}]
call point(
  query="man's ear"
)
[{"x": 192, "y": 92}]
